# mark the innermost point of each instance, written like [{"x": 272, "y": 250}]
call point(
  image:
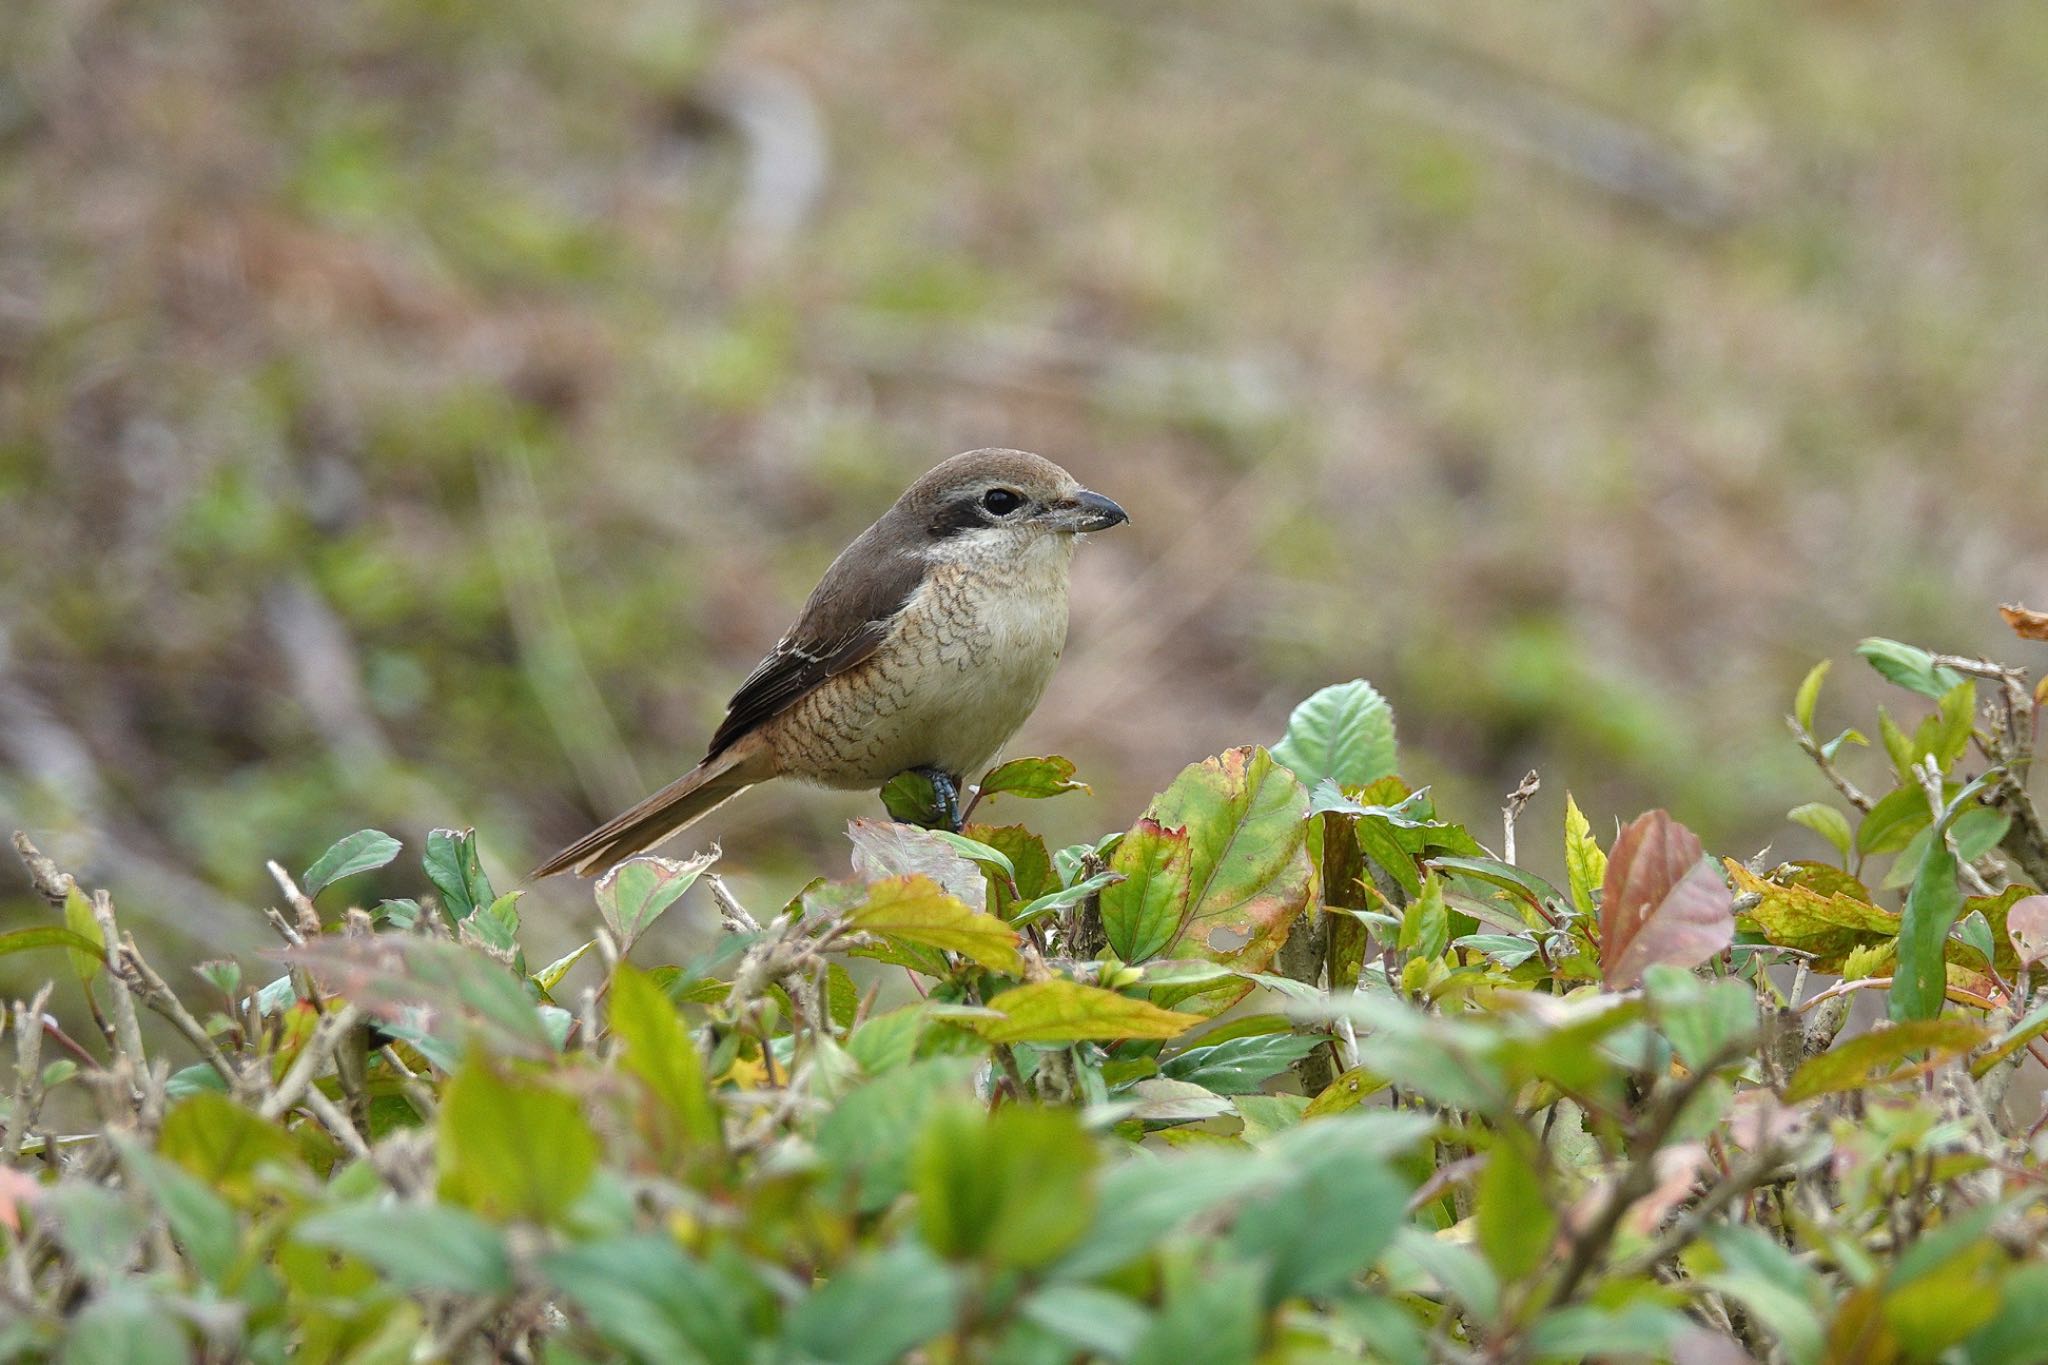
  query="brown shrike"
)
[{"x": 924, "y": 647}]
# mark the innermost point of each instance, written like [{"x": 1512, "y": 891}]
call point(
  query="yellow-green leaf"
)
[
  {"x": 1808, "y": 696},
  {"x": 1142, "y": 913},
  {"x": 79, "y": 920},
  {"x": 1014, "y": 1188},
  {"x": 656, "y": 1048},
  {"x": 1249, "y": 872},
  {"x": 1584, "y": 861},
  {"x": 1849, "y": 1065},
  {"x": 222, "y": 1142},
  {"x": 1815, "y": 909},
  {"x": 914, "y": 909},
  {"x": 1067, "y": 1011},
  {"x": 510, "y": 1146},
  {"x": 1033, "y": 777},
  {"x": 1515, "y": 1220},
  {"x": 1348, "y": 1091}
]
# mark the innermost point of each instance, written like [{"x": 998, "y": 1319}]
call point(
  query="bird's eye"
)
[{"x": 1002, "y": 501}]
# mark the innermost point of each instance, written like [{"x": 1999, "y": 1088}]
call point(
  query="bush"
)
[{"x": 1292, "y": 1068}]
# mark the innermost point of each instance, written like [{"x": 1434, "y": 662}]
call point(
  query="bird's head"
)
[{"x": 1003, "y": 501}]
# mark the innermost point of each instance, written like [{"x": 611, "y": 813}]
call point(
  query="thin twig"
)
[
  {"x": 1523, "y": 793},
  {"x": 1849, "y": 790},
  {"x": 128, "y": 1030},
  {"x": 311, "y": 1061},
  {"x": 162, "y": 1001},
  {"x": 302, "y": 904}
]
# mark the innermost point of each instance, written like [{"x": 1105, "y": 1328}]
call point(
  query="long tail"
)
[{"x": 693, "y": 795}]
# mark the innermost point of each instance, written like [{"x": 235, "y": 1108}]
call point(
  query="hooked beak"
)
[{"x": 1086, "y": 511}]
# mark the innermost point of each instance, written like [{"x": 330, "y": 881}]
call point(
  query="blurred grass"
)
[{"x": 382, "y": 383}]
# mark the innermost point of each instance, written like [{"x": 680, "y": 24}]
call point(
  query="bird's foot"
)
[{"x": 945, "y": 796}]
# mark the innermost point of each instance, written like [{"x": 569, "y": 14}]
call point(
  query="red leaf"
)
[
  {"x": 1661, "y": 902},
  {"x": 2026, "y": 924}
]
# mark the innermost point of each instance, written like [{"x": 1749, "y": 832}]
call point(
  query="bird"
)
[{"x": 923, "y": 648}]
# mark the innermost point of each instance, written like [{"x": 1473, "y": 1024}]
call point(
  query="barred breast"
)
[{"x": 965, "y": 664}]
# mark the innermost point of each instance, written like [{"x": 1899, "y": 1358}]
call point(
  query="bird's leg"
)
[{"x": 946, "y": 792}]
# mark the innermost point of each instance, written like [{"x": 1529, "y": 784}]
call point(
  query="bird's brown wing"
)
[{"x": 843, "y": 623}]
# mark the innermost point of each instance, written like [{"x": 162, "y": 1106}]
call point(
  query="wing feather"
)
[{"x": 845, "y": 621}]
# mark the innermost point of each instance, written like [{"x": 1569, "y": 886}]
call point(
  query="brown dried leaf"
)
[
  {"x": 2026, "y": 924},
  {"x": 1661, "y": 902},
  {"x": 2025, "y": 623}
]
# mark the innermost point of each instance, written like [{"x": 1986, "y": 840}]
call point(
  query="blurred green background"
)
[{"x": 423, "y": 412}]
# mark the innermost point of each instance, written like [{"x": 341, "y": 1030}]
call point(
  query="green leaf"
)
[
  {"x": 1701, "y": 1018},
  {"x": 1909, "y": 666},
  {"x": 877, "y": 1310},
  {"x": 511, "y": 1147},
  {"x": 1060, "y": 1010},
  {"x": 1212, "y": 1319},
  {"x": 2012, "y": 1040},
  {"x": 465, "y": 990},
  {"x": 1945, "y": 735},
  {"x": 915, "y": 909},
  {"x": 1637, "y": 1330},
  {"x": 1237, "y": 1066},
  {"x": 1893, "y": 821},
  {"x": 1834, "y": 746},
  {"x": 1143, "y": 911},
  {"x": 1774, "y": 1286},
  {"x": 635, "y": 893},
  {"x": 1848, "y": 1065},
  {"x": 1808, "y": 695},
  {"x": 1013, "y": 1189},
  {"x": 50, "y": 936},
  {"x": 659, "y": 1051},
  {"x": 97, "y": 1225},
  {"x": 1088, "y": 1319},
  {"x": 1052, "y": 902},
  {"x": 1143, "y": 1202},
  {"x": 417, "y": 1246},
  {"x": 362, "y": 851},
  {"x": 1345, "y": 733},
  {"x": 1824, "y": 820},
  {"x": 1526, "y": 887},
  {"x": 1426, "y": 923},
  {"x": 911, "y": 798},
  {"x": 1932, "y": 905},
  {"x": 2015, "y": 1334},
  {"x": 867, "y": 1139},
  {"x": 125, "y": 1326},
  {"x": 200, "y": 1219},
  {"x": 222, "y": 1143},
  {"x": 1509, "y": 950},
  {"x": 1978, "y": 830},
  {"x": 1585, "y": 864},
  {"x": 78, "y": 919},
  {"x": 1515, "y": 1221},
  {"x": 550, "y": 976},
  {"x": 453, "y": 867},
  {"x": 643, "y": 1295},
  {"x": 1036, "y": 778},
  {"x": 1333, "y": 1218},
  {"x": 1898, "y": 746},
  {"x": 1029, "y": 865}
]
